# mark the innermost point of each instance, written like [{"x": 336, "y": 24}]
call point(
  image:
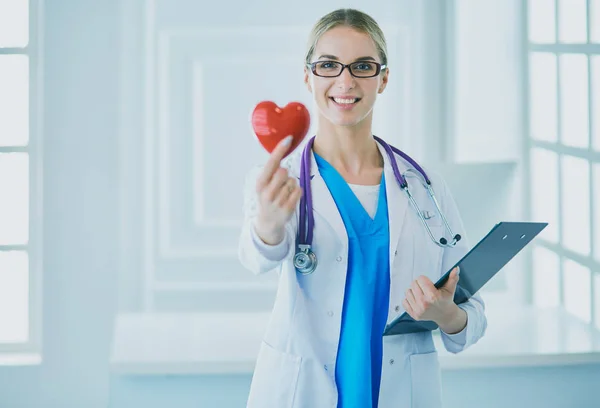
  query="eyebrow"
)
[{"x": 333, "y": 57}]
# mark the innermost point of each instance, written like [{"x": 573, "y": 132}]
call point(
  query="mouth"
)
[{"x": 344, "y": 101}]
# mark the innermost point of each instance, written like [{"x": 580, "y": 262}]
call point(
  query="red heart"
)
[{"x": 271, "y": 124}]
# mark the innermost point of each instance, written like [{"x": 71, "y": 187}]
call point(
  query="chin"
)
[{"x": 348, "y": 120}]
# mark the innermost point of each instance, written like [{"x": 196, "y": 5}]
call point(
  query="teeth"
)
[{"x": 344, "y": 101}]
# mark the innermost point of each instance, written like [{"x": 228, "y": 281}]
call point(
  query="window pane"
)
[
  {"x": 577, "y": 290},
  {"x": 542, "y": 103},
  {"x": 544, "y": 191},
  {"x": 595, "y": 21},
  {"x": 14, "y": 100},
  {"x": 575, "y": 183},
  {"x": 595, "y": 67},
  {"x": 596, "y": 208},
  {"x": 597, "y": 298},
  {"x": 14, "y": 297},
  {"x": 572, "y": 21},
  {"x": 574, "y": 100},
  {"x": 14, "y": 205},
  {"x": 14, "y": 23},
  {"x": 542, "y": 20},
  {"x": 546, "y": 280}
]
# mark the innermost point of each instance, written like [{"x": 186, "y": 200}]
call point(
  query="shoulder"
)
[
  {"x": 435, "y": 176},
  {"x": 438, "y": 182}
]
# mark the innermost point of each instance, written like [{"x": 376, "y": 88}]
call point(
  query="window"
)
[
  {"x": 20, "y": 202},
  {"x": 564, "y": 153}
]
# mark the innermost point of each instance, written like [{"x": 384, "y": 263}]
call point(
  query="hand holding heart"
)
[
  {"x": 279, "y": 131},
  {"x": 278, "y": 195},
  {"x": 426, "y": 302}
]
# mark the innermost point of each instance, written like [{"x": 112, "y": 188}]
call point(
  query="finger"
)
[
  {"x": 427, "y": 286},
  {"x": 416, "y": 289},
  {"x": 408, "y": 308},
  {"x": 453, "y": 278},
  {"x": 274, "y": 160},
  {"x": 285, "y": 191},
  {"x": 293, "y": 199},
  {"x": 275, "y": 185},
  {"x": 410, "y": 297}
]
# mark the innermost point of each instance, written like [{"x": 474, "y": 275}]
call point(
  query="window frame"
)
[
  {"x": 34, "y": 149},
  {"x": 592, "y": 157}
]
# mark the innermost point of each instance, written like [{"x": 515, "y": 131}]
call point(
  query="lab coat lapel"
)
[{"x": 397, "y": 203}]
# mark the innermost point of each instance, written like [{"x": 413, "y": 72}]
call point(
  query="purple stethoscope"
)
[{"x": 305, "y": 260}]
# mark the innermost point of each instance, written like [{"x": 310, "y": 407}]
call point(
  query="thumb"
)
[{"x": 452, "y": 279}]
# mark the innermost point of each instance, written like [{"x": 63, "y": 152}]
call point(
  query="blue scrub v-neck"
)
[{"x": 366, "y": 297}]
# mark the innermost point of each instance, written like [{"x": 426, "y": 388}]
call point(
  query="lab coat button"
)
[
  {"x": 397, "y": 308},
  {"x": 330, "y": 313},
  {"x": 339, "y": 259},
  {"x": 392, "y": 361},
  {"x": 395, "y": 253}
]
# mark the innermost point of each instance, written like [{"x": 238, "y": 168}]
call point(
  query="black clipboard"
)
[{"x": 488, "y": 257}]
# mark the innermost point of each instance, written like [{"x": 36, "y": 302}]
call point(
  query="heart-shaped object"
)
[{"x": 271, "y": 124}]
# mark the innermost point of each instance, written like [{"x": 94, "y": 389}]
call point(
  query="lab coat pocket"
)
[
  {"x": 275, "y": 379},
  {"x": 426, "y": 380}
]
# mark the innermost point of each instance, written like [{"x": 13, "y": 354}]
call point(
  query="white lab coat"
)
[{"x": 296, "y": 361}]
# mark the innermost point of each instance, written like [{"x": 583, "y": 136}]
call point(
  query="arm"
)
[
  {"x": 471, "y": 314},
  {"x": 256, "y": 255}
]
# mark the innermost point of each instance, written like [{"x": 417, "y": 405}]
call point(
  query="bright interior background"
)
[{"x": 124, "y": 142}]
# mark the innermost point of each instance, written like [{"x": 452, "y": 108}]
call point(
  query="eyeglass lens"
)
[{"x": 359, "y": 69}]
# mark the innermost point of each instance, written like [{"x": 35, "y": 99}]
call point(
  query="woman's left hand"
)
[{"x": 426, "y": 302}]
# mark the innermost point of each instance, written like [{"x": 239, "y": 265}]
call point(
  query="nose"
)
[{"x": 346, "y": 80}]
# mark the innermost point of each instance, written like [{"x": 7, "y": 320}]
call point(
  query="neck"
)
[{"x": 350, "y": 149}]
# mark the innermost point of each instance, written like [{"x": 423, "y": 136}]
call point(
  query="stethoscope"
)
[{"x": 305, "y": 260}]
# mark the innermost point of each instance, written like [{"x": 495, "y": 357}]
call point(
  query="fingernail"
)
[{"x": 287, "y": 140}]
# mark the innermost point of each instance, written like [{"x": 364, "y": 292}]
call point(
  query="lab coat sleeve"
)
[
  {"x": 271, "y": 252},
  {"x": 475, "y": 306},
  {"x": 255, "y": 255}
]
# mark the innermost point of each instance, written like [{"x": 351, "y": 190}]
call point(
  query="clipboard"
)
[{"x": 477, "y": 267}]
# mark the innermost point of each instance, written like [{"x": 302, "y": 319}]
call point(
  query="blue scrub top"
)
[{"x": 366, "y": 298}]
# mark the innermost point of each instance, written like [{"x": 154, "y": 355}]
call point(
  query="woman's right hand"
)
[{"x": 278, "y": 194}]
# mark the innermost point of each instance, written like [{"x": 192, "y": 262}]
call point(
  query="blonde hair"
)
[{"x": 349, "y": 18}]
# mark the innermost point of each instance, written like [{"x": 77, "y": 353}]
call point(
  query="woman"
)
[{"x": 324, "y": 345}]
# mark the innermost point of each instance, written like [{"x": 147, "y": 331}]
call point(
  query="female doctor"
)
[{"x": 375, "y": 260}]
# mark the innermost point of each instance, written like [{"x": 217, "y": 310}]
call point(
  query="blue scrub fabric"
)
[{"x": 366, "y": 298}]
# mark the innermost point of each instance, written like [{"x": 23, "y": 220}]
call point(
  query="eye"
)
[
  {"x": 364, "y": 66},
  {"x": 327, "y": 65}
]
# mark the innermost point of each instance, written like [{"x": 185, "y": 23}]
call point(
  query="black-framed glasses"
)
[{"x": 359, "y": 69}]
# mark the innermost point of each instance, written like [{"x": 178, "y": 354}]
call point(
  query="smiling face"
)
[{"x": 345, "y": 100}]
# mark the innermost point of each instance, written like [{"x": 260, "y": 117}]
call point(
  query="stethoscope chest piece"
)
[{"x": 305, "y": 260}]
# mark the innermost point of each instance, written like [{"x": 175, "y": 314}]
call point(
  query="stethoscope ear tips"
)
[{"x": 457, "y": 238}]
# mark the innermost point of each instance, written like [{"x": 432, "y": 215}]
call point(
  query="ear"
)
[
  {"x": 384, "y": 80},
  {"x": 307, "y": 79}
]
